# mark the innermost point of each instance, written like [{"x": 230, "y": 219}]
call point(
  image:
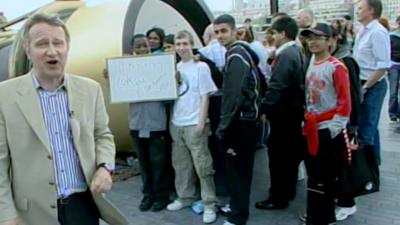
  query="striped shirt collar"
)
[{"x": 37, "y": 85}]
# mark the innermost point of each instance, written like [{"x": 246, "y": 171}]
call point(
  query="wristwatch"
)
[{"x": 108, "y": 166}]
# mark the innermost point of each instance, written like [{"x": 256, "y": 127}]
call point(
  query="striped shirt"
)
[{"x": 68, "y": 171}]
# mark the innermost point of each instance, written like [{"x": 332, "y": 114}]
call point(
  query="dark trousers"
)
[
  {"x": 152, "y": 154},
  {"x": 79, "y": 209},
  {"x": 286, "y": 149},
  {"x": 322, "y": 175},
  {"x": 239, "y": 158},
  {"x": 215, "y": 145}
]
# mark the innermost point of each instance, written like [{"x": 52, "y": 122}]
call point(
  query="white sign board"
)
[{"x": 142, "y": 78}]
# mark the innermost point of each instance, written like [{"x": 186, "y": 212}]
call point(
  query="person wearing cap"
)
[
  {"x": 328, "y": 107},
  {"x": 394, "y": 73},
  {"x": 372, "y": 53}
]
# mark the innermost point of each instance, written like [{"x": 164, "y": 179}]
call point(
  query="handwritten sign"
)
[{"x": 142, "y": 78}]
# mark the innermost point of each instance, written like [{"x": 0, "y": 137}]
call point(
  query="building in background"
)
[{"x": 391, "y": 8}]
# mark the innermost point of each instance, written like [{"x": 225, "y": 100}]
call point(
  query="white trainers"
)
[
  {"x": 228, "y": 223},
  {"x": 343, "y": 212},
  {"x": 209, "y": 216},
  {"x": 176, "y": 205}
]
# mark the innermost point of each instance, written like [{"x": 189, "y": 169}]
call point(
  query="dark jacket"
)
[
  {"x": 395, "y": 46},
  {"x": 241, "y": 87},
  {"x": 285, "y": 96},
  {"x": 344, "y": 55}
]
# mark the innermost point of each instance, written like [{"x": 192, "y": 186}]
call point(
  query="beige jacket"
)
[{"x": 27, "y": 175}]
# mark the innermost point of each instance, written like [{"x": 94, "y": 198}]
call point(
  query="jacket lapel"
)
[
  {"x": 29, "y": 105},
  {"x": 75, "y": 101}
]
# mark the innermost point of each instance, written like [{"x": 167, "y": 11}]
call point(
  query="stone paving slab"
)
[{"x": 381, "y": 208}]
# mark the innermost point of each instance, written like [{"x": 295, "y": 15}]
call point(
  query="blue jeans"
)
[
  {"x": 369, "y": 116},
  {"x": 394, "y": 77}
]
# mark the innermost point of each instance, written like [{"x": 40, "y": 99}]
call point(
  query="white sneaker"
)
[
  {"x": 209, "y": 216},
  {"x": 343, "y": 212},
  {"x": 176, "y": 205},
  {"x": 228, "y": 223}
]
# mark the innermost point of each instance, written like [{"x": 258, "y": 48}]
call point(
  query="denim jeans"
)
[
  {"x": 370, "y": 112},
  {"x": 394, "y": 77}
]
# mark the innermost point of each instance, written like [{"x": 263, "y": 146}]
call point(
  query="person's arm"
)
[
  {"x": 206, "y": 88},
  {"x": 8, "y": 212},
  {"x": 104, "y": 146},
  {"x": 343, "y": 106},
  {"x": 231, "y": 90},
  {"x": 204, "y": 103},
  {"x": 278, "y": 83},
  {"x": 381, "y": 50}
]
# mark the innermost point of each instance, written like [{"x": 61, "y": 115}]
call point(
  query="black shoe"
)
[
  {"x": 268, "y": 204},
  {"x": 159, "y": 205},
  {"x": 146, "y": 203}
]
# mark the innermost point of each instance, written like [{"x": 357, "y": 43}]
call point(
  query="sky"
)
[{"x": 15, "y": 8}]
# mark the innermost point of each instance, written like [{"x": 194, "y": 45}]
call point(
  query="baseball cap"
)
[{"x": 320, "y": 29}]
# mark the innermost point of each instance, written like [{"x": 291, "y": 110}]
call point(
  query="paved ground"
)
[{"x": 381, "y": 208}]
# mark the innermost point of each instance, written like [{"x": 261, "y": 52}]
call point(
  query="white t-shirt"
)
[{"x": 196, "y": 81}]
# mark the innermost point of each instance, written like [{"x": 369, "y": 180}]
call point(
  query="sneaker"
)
[
  {"x": 176, "y": 205},
  {"x": 209, "y": 216},
  {"x": 228, "y": 223},
  {"x": 343, "y": 212},
  {"x": 225, "y": 210},
  {"x": 303, "y": 217}
]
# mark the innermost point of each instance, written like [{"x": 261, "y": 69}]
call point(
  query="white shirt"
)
[
  {"x": 196, "y": 82},
  {"x": 372, "y": 49},
  {"x": 215, "y": 52}
]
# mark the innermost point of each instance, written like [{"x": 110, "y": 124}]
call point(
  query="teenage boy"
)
[
  {"x": 328, "y": 106},
  {"x": 241, "y": 97},
  {"x": 284, "y": 106},
  {"x": 189, "y": 131}
]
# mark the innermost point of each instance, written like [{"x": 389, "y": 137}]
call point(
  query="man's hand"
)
[
  {"x": 102, "y": 181},
  {"x": 11, "y": 222}
]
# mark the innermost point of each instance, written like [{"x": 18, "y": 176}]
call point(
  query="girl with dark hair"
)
[{"x": 156, "y": 36}]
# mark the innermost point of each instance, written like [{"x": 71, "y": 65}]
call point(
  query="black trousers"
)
[
  {"x": 322, "y": 184},
  {"x": 79, "y": 209},
  {"x": 239, "y": 141},
  {"x": 152, "y": 153},
  {"x": 286, "y": 149},
  {"x": 215, "y": 145}
]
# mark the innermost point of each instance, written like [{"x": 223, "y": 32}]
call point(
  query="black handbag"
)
[{"x": 359, "y": 174}]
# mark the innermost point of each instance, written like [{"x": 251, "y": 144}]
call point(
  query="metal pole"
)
[{"x": 274, "y": 6}]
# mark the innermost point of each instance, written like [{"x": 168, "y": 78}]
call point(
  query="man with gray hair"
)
[
  {"x": 54, "y": 138},
  {"x": 372, "y": 53},
  {"x": 305, "y": 18}
]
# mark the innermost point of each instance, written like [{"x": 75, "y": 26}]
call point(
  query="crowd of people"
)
[
  {"x": 308, "y": 82},
  {"x": 299, "y": 93}
]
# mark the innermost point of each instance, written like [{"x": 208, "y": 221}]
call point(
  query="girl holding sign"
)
[{"x": 148, "y": 127}]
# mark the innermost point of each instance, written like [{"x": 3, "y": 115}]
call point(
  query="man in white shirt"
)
[{"x": 372, "y": 53}]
